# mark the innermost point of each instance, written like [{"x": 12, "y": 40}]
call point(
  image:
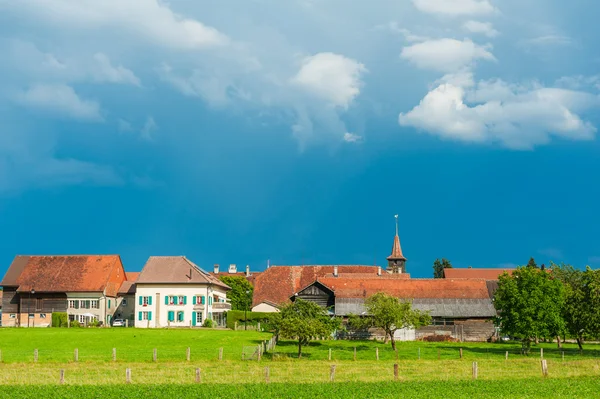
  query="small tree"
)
[
  {"x": 304, "y": 321},
  {"x": 237, "y": 295},
  {"x": 439, "y": 266},
  {"x": 532, "y": 263},
  {"x": 530, "y": 304},
  {"x": 390, "y": 314}
]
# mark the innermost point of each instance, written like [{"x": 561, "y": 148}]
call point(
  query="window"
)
[
  {"x": 31, "y": 315},
  {"x": 145, "y": 300},
  {"x": 94, "y": 304},
  {"x": 42, "y": 315},
  {"x": 210, "y": 300},
  {"x": 171, "y": 315},
  {"x": 175, "y": 300},
  {"x": 199, "y": 318},
  {"x": 124, "y": 302},
  {"x": 73, "y": 304},
  {"x": 180, "y": 316},
  {"x": 12, "y": 316},
  {"x": 85, "y": 304},
  {"x": 109, "y": 303},
  {"x": 145, "y": 316}
]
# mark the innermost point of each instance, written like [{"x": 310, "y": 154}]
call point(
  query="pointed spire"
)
[{"x": 396, "y": 248}]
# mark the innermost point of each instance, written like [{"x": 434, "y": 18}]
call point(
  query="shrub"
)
[
  {"x": 253, "y": 319},
  {"x": 208, "y": 323},
  {"x": 75, "y": 323},
  {"x": 59, "y": 319}
]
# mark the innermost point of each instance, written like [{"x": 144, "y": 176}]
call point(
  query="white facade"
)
[
  {"x": 87, "y": 306},
  {"x": 265, "y": 307},
  {"x": 177, "y": 304}
]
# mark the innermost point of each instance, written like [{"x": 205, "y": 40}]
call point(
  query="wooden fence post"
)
[
  {"x": 475, "y": 370},
  {"x": 76, "y": 355},
  {"x": 461, "y": 353},
  {"x": 235, "y": 326},
  {"x": 154, "y": 355},
  {"x": 355, "y": 353},
  {"x": 220, "y": 353},
  {"x": 62, "y": 376},
  {"x": 506, "y": 356},
  {"x": 332, "y": 373},
  {"x": 267, "y": 376},
  {"x": 419, "y": 353},
  {"x": 541, "y": 353},
  {"x": 376, "y": 353},
  {"x": 114, "y": 354},
  {"x": 544, "y": 368},
  {"x": 128, "y": 376},
  {"x": 35, "y": 355},
  {"x": 329, "y": 353},
  {"x": 198, "y": 376},
  {"x": 258, "y": 352},
  {"x": 395, "y": 371},
  {"x": 188, "y": 353},
  {"x": 563, "y": 356}
]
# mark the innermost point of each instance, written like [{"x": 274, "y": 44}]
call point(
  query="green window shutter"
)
[
  {"x": 140, "y": 314},
  {"x": 185, "y": 300},
  {"x": 193, "y": 318},
  {"x": 141, "y": 303},
  {"x": 171, "y": 317},
  {"x": 210, "y": 300},
  {"x": 166, "y": 300},
  {"x": 109, "y": 303},
  {"x": 149, "y": 315},
  {"x": 149, "y": 300},
  {"x": 202, "y": 299},
  {"x": 194, "y": 300}
]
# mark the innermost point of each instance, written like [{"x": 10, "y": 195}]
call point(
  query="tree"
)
[
  {"x": 304, "y": 321},
  {"x": 439, "y": 266},
  {"x": 532, "y": 263},
  {"x": 582, "y": 301},
  {"x": 237, "y": 295},
  {"x": 390, "y": 314},
  {"x": 530, "y": 304}
]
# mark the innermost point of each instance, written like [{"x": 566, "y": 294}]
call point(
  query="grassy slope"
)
[{"x": 581, "y": 387}]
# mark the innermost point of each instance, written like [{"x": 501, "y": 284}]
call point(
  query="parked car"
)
[{"x": 119, "y": 323}]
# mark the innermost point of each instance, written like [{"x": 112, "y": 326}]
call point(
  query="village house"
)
[
  {"x": 126, "y": 299},
  {"x": 461, "y": 307},
  {"x": 172, "y": 291},
  {"x": 84, "y": 286}
]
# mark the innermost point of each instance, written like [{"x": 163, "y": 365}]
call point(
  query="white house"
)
[{"x": 172, "y": 291}]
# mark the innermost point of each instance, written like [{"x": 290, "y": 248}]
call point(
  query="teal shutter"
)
[
  {"x": 166, "y": 300},
  {"x": 141, "y": 303},
  {"x": 171, "y": 315},
  {"x": 193, "y": 318},
  {"x": 140, "y": 314},
  {"x": 185, "y": 300},
  {"x": 149, "y": 315},
  {"x": 109, "y": 303},
  {"x": 194, "y": 300},
  {"x": 202, "y": 299},
  {"x": 149, "y": 300},
  {"x": 210, "y": 300}
]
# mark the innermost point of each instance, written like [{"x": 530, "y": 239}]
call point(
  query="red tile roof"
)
[
  {"x": 396, "y": 250},
  {"x": 407, "y": 288},
  {"x": 132, "y": 276},
  {"x": 70, "y": 273},
  {"x": 278, "y": 283},
  {"x": 488, "y": 274},
  {"x": 250, "y": 278}
]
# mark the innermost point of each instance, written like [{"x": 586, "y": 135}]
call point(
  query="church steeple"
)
[{"x": 396, "y": 261}]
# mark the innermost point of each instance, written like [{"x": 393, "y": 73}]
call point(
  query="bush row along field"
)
[
  {"x": 228, "y": 372},
  {"x": 555, "y": 388},
  {"x": 137, "y": 345}
]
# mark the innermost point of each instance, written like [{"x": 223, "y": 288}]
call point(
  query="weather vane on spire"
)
[{"x": 396, "y": 216}]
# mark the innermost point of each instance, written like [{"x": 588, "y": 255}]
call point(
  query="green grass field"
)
[{"x": 424, "y": 369}]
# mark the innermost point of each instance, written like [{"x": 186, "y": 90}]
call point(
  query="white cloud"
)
[
  {"x": 61, "y": 100},
  {"x": 104, "y": 71},
  {"x": 547, "y": 40},
  {"x": 484, "y": 28},
  {"x": 352, "y": 138},
  {"x": 152, "y": 20},
  {"x": 517, "y": 116},
  {"x": 149, "y": 127},
  {"x": 579, "y": 82},
  {"x": 455, "y": 7},
  {"x": 446, "y": 55},
  {"x": 331, "y": 77},
  {"x": 394, "y": 27}
]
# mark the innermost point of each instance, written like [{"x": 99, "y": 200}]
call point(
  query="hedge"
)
[
  {"x": 253, "y": 318},
  {"x": 59, "y": 319}
]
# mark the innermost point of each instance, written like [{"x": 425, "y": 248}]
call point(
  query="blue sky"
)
[{"x": 242, "y": 131}]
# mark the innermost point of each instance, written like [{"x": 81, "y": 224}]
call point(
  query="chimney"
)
[
  {"x": 216, "y": 268},
  {"x": 232, "y": 268},
  {"x": 335, "y": 271},
  {"x": 247, "y": 270},
  {"x": 268, "y": 263},
  {"x": 379, "y": 270}
]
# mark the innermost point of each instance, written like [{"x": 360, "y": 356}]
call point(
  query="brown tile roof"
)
[
  {"x": 175, "y": 269},
  {"x": 407, "y": 288},
  {"x": 127, "y": 288},
  {"x": 132, "y": 276},
  {"x": 488, "y": 274},
  {"x": 70, "y": 273},
  {"x": 250, "y": 278},
  {"x": 396, "y": 250},
  {"x": 278, "y": 283}
]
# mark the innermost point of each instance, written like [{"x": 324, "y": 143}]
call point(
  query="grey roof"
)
[
  {"x": 438, "y": 307},
  {"x": 175, "y": 269}
]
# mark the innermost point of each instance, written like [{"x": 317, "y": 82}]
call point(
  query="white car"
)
[{"x": 119, "y": 323}]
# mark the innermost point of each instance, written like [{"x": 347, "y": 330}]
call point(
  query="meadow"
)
[{"x": 424, "y": 369}]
